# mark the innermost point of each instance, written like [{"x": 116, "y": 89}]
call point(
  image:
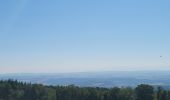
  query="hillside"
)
[{"x": 14, "y": 90}]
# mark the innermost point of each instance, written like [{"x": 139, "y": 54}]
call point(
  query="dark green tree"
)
[{"x": 144, "y": 92}]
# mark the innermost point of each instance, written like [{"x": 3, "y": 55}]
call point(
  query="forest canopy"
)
[{"x": 15, "y": 90}]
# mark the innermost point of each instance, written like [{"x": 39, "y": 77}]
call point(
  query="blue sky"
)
[{"x": 41, "y": 36}]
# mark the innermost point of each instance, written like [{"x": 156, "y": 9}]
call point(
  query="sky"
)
[{"x": 56, "y": 36}]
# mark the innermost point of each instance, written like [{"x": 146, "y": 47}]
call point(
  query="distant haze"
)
[
  {"x": 40, "y": 36},
  {"x": 97, "y": 79}
]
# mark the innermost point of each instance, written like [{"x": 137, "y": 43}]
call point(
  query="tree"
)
[
  {"x": 159, "y": 93},
  {"x": 126, "y": 94},
  {"x": 144, "y": 92},
  {"x": 114, "y": 94}
]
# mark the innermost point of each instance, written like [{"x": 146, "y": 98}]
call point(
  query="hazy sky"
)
[{"x": 84, "y": 35}]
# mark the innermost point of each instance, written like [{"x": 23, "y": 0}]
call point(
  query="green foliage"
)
[
  {"x": 144, "y": 92},
  {"x": 14, "y": 90}
]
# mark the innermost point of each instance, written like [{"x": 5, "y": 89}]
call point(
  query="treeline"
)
[{"x": 15, "y": 90}]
